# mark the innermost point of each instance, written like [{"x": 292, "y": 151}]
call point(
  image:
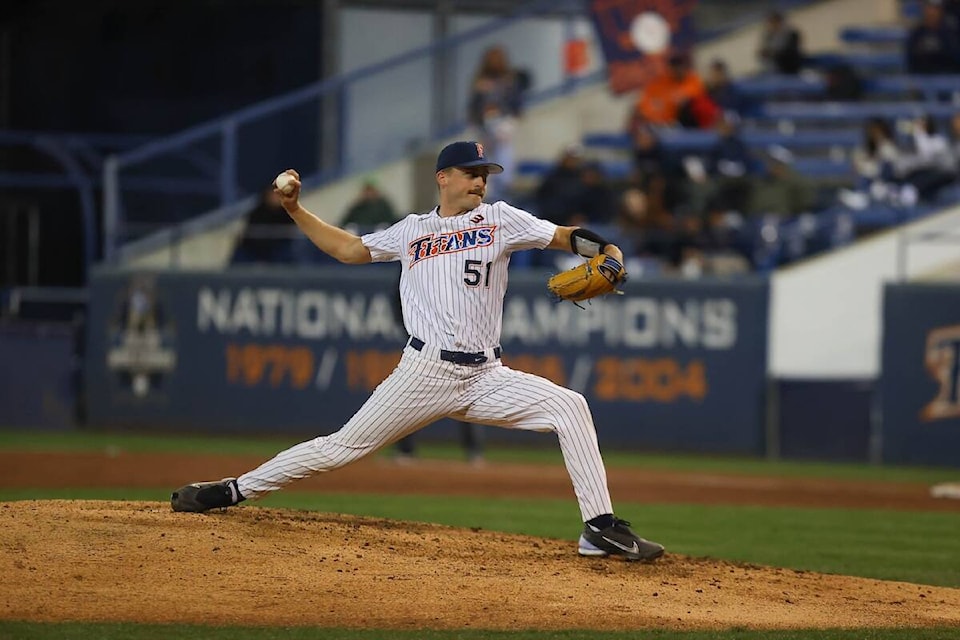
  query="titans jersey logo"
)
[
  {"x": 436, "y": 244},
  {"x": 943, "y": 363}
]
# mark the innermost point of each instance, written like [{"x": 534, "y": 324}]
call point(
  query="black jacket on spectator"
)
[
  {"x": 557, "y": 196},
  {"x": 931, "y": 51},
  {"x": 782, "y": 50}
]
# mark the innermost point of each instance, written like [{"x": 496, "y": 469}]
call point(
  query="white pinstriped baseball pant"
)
[{"x": 423, "y": 389}]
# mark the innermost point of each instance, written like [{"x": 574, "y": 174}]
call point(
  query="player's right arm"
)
[{"x": 334, "y": 241}]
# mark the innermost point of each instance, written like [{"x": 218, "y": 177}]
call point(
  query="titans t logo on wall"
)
[
  {"x": 141, "y": 339},
  {"x": 942, "y": 359}
]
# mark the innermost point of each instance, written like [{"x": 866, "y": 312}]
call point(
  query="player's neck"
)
[{"x": 450, "y": 210}]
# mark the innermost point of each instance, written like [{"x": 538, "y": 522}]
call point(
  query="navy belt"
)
[{"x": 457, "y": 357}]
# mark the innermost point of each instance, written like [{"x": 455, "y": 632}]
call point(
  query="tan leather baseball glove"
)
[{"x": 596, "y": 277}]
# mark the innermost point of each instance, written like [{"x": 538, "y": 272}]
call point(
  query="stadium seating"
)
[
  {"x": 699, "y": 140},
  {"x": 792, "y": 112},
  {"x": 853, "y": 112},
  {"x": 767, "y": 87},
  {"x": 874, "y": 35},
  {"x": 620, "y": 169},
  {"x": 882, "y": 62}
]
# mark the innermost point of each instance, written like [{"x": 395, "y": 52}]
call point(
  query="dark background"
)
[
  {"x": 150, "y": 67},
  {"x": 139, "y": 68}
]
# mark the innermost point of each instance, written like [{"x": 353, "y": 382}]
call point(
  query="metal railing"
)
[
  {"x": 230, "y": 156},
  {"x": 75, "y": 163},
  {"x": 21, "y": 246}
]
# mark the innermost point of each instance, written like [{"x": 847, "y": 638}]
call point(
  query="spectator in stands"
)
[
  {"x": 722, "y": 90},
  {"x": 269, "y": 234},
  {"x": 930, "y": 163},
  {"x": 661, "y": 99},
  {"x": 729, "y": 165},
  {"x": 874, "y": 162},
  {"x": 951, "y": 13},
  {"x": 780, "y": 46},
  {"x": 780, "y": 190},
  {"x": 657, "y": 171},
  {"x": 576, "y": 192},
  {"x": 644, "y": 233},
  {"x": 874, "y": 159},
  {"x": 842, "y": 83},
  {"x": 371, "y": 209},
  {"x": 558, "y": 190},
  {"x": 932, "y": 46},
  {"x": 595, "y": 202},
  {"x": 495, "y": 106}
]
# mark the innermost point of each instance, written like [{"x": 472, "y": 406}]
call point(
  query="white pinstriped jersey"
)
[
  {"x": 452, "y": 285},
  {"x": 454, "y": 270}
]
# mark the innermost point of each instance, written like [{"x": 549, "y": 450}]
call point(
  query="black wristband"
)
[{"x": 586, "y": 243}]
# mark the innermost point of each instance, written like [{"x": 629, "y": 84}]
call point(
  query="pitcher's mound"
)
[{"x": 138, "y": 561}]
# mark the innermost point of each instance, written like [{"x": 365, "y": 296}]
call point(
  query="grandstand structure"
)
[
  {"x": 811, "y": 300},
  {"x": 787, "y": 111}
]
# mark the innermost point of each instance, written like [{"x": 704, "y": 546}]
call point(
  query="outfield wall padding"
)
[
  {"x": 671, "y": 365},
  {"x": 920, "y": 383}
]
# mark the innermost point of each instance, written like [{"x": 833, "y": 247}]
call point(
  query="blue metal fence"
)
[{"x": 78, "y": 159}]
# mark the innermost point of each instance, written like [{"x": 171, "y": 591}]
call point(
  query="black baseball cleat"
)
[
  {"x": 617, "y": 540},
  {"x": 203, "y": 496}
]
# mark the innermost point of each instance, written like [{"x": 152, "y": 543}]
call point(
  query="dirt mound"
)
[{"x": 138, "y": 561}]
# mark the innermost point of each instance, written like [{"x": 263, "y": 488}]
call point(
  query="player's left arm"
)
[{"x": 583, "y": 242}]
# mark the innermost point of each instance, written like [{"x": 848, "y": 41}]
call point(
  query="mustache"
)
[{"x": 478, "y": 192}]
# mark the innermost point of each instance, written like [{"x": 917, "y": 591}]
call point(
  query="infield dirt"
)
[{"x": 138, "y": 561}]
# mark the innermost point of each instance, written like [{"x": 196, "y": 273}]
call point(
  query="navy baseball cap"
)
[{"x": 465, "y": 154}]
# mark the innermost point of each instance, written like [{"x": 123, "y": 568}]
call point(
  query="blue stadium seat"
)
[
  {"x": 874, "y": 35},
  {"x": 764, "y": 87},
  {"x": 696, "y": 140},
  {"x": 824, "y": 168},
  {"x": 772, "y": 87},
  {"x": 929, "y": 86},
  {"x": 620, "y": 169},
  {"x": 865, "y": 62},
  {"x": 855, "y": 112}
]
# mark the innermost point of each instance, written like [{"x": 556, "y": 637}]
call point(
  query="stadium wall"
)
[
  {"x": 920, "y": 385},
  {"x": 826, "y": 313},
  {"x": 679, "y": 366}
]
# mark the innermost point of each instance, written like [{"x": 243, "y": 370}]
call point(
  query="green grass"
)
[
  {"x": 90, "y": 631},
  {"x": 914, "y": 547},
  {"x": 85, "y": 441},
  {"x": 548, "y": 454}
]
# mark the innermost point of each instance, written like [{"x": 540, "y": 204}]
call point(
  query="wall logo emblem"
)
[
  {"x": 942, "y": 359},
  {"x": 141, "y": 339}
]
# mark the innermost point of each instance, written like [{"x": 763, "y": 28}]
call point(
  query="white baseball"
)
[{"x": 283, "y": 182}]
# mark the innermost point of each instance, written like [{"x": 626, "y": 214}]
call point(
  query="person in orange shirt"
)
[{"x": 661, "y": 99}]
